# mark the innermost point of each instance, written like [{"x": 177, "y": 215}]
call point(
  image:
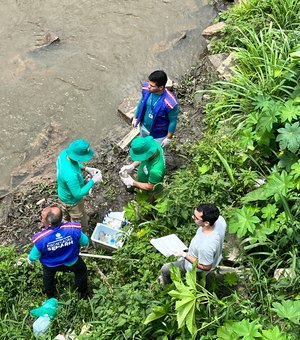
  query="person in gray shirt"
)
[{"x": 206, "y": 245}]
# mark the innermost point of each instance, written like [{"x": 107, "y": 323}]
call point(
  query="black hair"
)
[
  {"x": 210, "y": 212},
  {"x": 159, "y": 77},
  {"x": 54, "y": 217}
]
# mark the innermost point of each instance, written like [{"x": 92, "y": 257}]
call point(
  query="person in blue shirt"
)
[
  {"x": 157, "y": 110},
  {"x": 57, "y": 248}
]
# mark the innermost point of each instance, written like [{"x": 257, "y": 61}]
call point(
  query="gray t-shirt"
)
[{"x": 207, "y": 248}]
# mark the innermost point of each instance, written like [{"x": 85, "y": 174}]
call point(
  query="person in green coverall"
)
[
  {"x": 148, "y": 156},
  {"x": 70, "y": 182}
]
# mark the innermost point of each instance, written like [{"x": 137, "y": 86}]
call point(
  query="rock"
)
[
  {"x": 17, "y": 178},
  {"x": 41, "y": 201},
  {"x": 5, "y": 205},
  {"x": 241, "y": 272},
  {"x": 170, "y": 84},
  {"x": 127, "y": 108},
  {"x": 173, "y": 41},
  {"x": 4, "y": 191},
  {"x": 48, "y": 39},
  {"x": 281, "y": 273},
  {"x": 224, "y": 70},
  {"x": 213, "y": 30},
  {"x": 233, "y": 255},
  {"x": 217, "y": 59}
]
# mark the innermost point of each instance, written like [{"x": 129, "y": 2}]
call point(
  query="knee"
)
[{"x": 165, "y": 269}]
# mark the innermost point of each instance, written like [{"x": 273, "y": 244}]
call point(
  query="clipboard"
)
[{"x": 169, "y": 244}]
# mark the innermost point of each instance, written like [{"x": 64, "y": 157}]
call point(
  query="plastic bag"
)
[{"x": 48, "y": 307}]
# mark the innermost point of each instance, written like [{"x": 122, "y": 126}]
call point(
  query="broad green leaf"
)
[
  {"x": 185, "y": 300},
  {"x": 259, "y": 235},
  {"x": 295, "y": 170},
  {"x": 272, "y": 334},
  {"x": 162, "y": 207},
  {"x": 226, "y": 332},
  {"x": 231, "y": 279},
  {"x": 266, "y": 121},
  {"x": 247, "y": 138},
  {"x": 176, "y": 275},
  {"x": 157, "y": 313},
  {"x": 203, "y": 169},
  {"x": 287, "y": 159},
  {"x": 249, "y": 330},
  {"x": 242, "y": 329},
  {"x": 289, "y": 112},
  {"x": 289, "y": 137},
  {"x": 288, "y": 309},
  {"x": 265, "y": 138},
  {"x": 190, "y": 322},
  {"x": 183, "y": 310},
  {"x": 278, "y": 184},
  {"x": 191, "y": 279},
  {"x": 255, "y": 195},
  {"x": 181, "y": 293},
  {"x": 269, "y": 211},
  {"x": 243, "y": 221}
]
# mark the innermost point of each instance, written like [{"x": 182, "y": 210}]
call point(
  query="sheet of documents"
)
[{"x": 169, "y": 244}]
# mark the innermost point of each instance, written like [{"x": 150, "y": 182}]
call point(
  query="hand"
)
[
  {"x": 180, "y": 254},
  {"x": 97, "y": 177},
  {"x": 92, "y": 171},
  {"x": 133, "y": 122},
  {"x": 31, "y": 263},
  {"x": 166, "y": 142},
  {"x": 127, "y": 168},
  {"x": 128, "y": 181}
]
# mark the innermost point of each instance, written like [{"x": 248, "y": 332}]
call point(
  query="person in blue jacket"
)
[
  {"x": 57, "y": 248},
  {"x": 157, "y": 110}
]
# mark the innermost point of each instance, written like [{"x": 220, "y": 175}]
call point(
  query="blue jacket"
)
[
  {"x": 58, "y": 245},
  {"x": 165, "y": 104}
]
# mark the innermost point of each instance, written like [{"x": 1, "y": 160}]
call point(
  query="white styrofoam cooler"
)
[{"x": 103, "y": 229}]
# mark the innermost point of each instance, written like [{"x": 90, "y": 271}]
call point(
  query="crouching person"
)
[
  {"x": 57, "y": 248},
  {"x": 205, "y": 247}
]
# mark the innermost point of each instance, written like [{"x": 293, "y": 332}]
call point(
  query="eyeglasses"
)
[{"x": 197, "y": 218}]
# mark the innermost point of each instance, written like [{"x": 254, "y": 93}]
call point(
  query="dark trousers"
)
[{"x": 78, "y": 268}]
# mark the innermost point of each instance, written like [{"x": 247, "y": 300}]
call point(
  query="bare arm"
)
[
  {"x": 200, "y": 266},
  {"x": 143, "y": 186}
]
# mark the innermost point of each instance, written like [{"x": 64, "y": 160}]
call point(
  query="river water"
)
[{"x": 106, "y": 48}]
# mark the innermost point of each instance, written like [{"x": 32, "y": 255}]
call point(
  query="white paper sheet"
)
[{"x": 169, "y": 244}]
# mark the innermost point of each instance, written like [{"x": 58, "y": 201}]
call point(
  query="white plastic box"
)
[{"x": 108, "y": 238}]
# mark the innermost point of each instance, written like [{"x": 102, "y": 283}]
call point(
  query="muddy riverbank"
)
[{"x": 20, "y": 209}]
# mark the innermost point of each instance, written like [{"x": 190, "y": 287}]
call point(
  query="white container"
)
[
  {"x": 108, "y": 238},
  {"x": 41, "y": 325}
]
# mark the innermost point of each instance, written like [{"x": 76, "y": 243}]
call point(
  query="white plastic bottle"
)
[
  {"x": 125, "y": 175},
  {"x": 41, "y": 325}
]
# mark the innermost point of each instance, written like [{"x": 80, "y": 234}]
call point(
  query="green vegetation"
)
[{"x": 248, "y": 164}]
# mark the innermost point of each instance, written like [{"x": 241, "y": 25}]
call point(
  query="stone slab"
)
[
  {"x": 124, "y": 142},
  {"x": 127, "y": 108},
  {"x": 213, "y": 30},
  {"x": 217, "y": 59},
  {"x": 224, "y": 70}
]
